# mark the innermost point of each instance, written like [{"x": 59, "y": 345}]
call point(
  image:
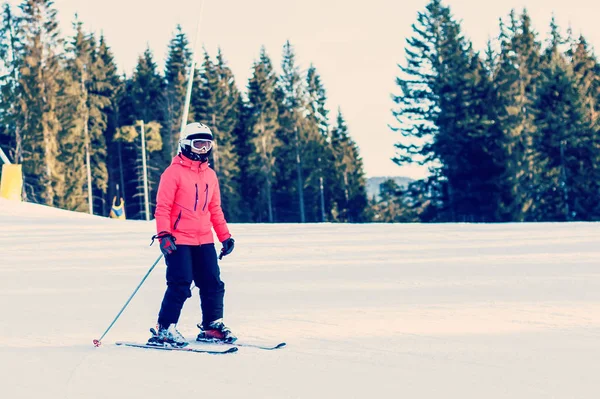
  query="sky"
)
[{"x": 355, "y": 46}]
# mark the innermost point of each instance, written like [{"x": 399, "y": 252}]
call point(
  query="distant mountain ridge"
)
[{"x": 374, "y": 182}]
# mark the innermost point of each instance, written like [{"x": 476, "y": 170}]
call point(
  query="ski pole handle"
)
[{"x": 98, "y": 342}]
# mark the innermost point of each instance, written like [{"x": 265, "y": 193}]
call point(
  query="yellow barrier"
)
[{"x": 11, "y": 184}]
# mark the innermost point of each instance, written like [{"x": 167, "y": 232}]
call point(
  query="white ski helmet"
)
[{"x": 196, "y": 136}]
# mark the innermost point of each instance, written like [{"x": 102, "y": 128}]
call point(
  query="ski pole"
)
[{"x": 98, "y": 342}]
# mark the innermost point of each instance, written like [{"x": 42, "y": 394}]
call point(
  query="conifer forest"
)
[{"x": 509, "y": 133}]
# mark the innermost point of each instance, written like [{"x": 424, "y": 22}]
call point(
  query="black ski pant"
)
[{"x": 197, "y": 263}]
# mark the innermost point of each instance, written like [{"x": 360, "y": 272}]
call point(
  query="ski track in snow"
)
[{"x": 392, "y": 311}]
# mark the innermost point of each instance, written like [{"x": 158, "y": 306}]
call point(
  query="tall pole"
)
[
  {"x": 299, "y": 176},
  {"x": 215, "y": 151},
  {"x": 146, "y": 203},
  {"x": 4, "y": 158},
  {"x": 86, "y": 133},
  {"x": 89, "y": 175},
  {"x": 322, "y": 192},
  {"x": 188, "y": 94}
]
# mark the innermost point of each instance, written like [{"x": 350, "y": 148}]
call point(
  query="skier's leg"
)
[
  {"x": 207, "y": 277},
  {"x": 179, "y": 279}
]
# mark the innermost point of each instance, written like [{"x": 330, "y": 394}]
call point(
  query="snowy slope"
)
[{"x": 391, "y": 311}]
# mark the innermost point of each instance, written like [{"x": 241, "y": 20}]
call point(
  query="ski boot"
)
[
  {"x": 166, "y": 336},
  {"x": 215, "y": 331}
]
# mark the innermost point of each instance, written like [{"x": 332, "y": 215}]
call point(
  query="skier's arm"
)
[
  {"x": 164, "y": 200},
  {"x": 217, "y": 217}
]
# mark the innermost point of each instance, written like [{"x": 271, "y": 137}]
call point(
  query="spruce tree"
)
[
  {"x": 143, "y": 101},
  {"x": 101, "y": 93},
  {"x": 216, "y": 104},
  {"x": 350, "y": 196},
  {"x": 241, "y": 136},
  {"x": 258, "y": 171},
  {"x": 442, "y": 117},
  {"x": 111, "y": 87},
  {"x": 460, "y": 142},
  {"x": 516, "y": 84},
  {"x": 38, "y": 86},
  {"x": 316, "y": 101},
  {"x": 74, "y": 114},
  {"x": 147, "y": 89},
  {"x": 318, "y": 160},
  {"x": 11, "y": 108},
  {"x": 586, "y": 81},
  {"x": 391, "y": 206},
  {"x": 417, "y": 105},
  {"x": 149, "y": 105},
  {"x": 289, "y": 197},
  {"x": 131, "y": 137},
  {"x": 557, "y": 124},
  {"x": 125, "y": 151},
  {"x": 177, "y": 65},
  {"x": 85, "y": 94}
]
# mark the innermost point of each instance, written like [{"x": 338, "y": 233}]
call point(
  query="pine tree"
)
[
  {"x": 586, "y": 81},
  {"x": 143, "y": 101},
  {"x": 101, "y": 92},
  {"x": 177, "y": 64},
  {"x": 131, "y": 136},
  {"x": 216, "y": 104},
  {"x": 258, "y": 148},
  {"x": 147, "y": 89},
  {"x": 316, "y": 101},
  {"x": 248, "y": 191},
  {"x": 111, "y": 88},
  {"x": 38, "y": 87},
  {"x": 11, "y": 108},
  {"x": 203, "y": 100},
  {"x": 124, "y": 150},
  {"x": 418, "y": 105},
  {"x": 442, "y": 117},
  {"x": 74, "y": 115},
  {"x": 318, "y": 161},
  {"x": 85, "y": 94},
  {"x": 556, "y": 123},
  {"x": 461, "y": 139},
  {"x": 289, "y": 157},
  {"x": 391, "y": 206},
  {"x": 351, "y": 195},
  {"x": 516, "y": 85},
  {"x": 467, "y": 142}
]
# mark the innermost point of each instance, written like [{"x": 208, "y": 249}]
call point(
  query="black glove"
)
[
  {"x": 167, "y": 242},
  {"x": 228, "y": 245}
]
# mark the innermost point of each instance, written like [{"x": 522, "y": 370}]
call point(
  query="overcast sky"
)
[{"x": 354, "y": 45}]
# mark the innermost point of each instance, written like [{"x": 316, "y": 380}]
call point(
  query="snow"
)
[{"x": 392, "y": 311}]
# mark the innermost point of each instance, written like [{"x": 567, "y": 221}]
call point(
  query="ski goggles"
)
[{"x": 200, "y": 145}]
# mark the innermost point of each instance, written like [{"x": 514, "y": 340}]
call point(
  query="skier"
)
[{"x": 188, "y": 206}]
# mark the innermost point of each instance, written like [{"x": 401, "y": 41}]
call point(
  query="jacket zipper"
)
[
  {"x": 196, "y": 203},
  {"x": 177, "y": 221},
  {"x": 206, "y": 199}
]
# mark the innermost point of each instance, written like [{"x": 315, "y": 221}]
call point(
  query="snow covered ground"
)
[{"x": 390, "y": 311}]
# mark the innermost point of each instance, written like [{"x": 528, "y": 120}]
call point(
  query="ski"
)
[
  {"x": 258, "y": 346},
  {"x": 242, "y": 344},
  {"x": 237, "y": 343},
  {"x": 183, "y": 349}
]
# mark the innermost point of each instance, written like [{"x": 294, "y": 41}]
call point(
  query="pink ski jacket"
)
[{"x": 188, "y": 203}]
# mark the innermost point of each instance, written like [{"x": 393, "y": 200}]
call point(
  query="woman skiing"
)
[{"x": 188, "y": 207}]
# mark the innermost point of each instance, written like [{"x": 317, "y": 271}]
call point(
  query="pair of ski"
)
[{"x": 229, "y": 347}]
